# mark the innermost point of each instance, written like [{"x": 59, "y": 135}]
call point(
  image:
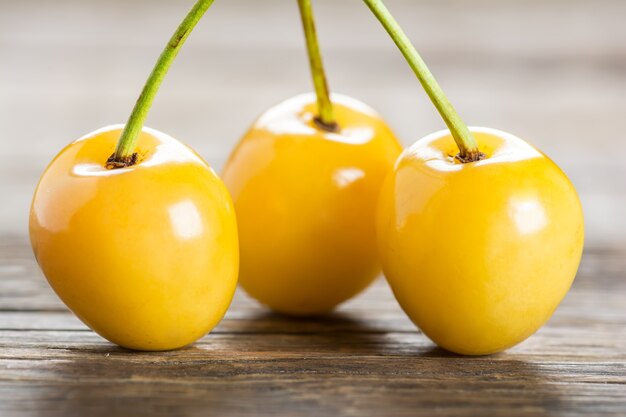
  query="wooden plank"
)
[
  {"x": 367, "y": 359},
  {"x": 265, "y": 380},
  {"x": 334, "y": 396},
  {"x": 358, "y": 374},
  {"x": 599, "y": 344}
]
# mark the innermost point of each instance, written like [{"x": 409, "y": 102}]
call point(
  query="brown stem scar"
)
[
  {"x": 114, "y": 163},
  {"x": 329, "y": 127},
  {"x": 471, "y": 157}
]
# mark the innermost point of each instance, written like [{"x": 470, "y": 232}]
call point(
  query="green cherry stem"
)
[
  {"x": 125, "y": 151},
  {"x": 462, "y": 136},
  {"x": 326, "y": 115}
]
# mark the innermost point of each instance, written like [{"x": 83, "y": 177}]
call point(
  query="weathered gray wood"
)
[{"x": 365, "y": 360}]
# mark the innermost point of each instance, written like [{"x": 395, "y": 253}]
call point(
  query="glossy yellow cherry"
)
[
  {"x": 305, "y": 200},
  {"x": 145, "y": 255},
  {"x": 479, "y": 254}
]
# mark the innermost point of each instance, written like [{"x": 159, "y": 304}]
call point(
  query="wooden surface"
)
[
  {"x": 367, "y": 359},
  {"x": 550, "y": 71}
]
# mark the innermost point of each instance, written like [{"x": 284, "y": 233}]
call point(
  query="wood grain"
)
[{"x": 366, "y": 359}]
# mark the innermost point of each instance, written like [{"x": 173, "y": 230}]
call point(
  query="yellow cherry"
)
[
  {"x": 480, "y": 234},
  {"x": 305, "y": 199},
  {"x": 145, "y": 255},
  {"x": 479, "y": 254}
]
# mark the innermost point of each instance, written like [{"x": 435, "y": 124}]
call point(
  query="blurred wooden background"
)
[{"x": 552, "y": 72}]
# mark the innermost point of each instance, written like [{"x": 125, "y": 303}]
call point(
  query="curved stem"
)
[
  {"x": 326, "y": 114},
  {"x": 462, "y": 136},
  {"x": 124, "y": 152}
]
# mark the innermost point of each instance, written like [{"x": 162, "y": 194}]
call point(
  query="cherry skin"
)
[
  {"x": 146, "y": 255},
  {"x": 479, "y": 254},
  {"x": 305, "y": 200}
]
